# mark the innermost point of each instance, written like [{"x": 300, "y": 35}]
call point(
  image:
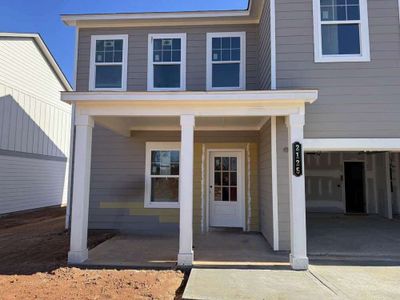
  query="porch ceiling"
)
[{"x": 124, "y": 125}]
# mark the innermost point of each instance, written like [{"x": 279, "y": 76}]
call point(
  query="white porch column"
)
[
  {"x": 298, "y": 236},
  {"x": 185, "y": 256},
  {"x": 81, "y": 183}
]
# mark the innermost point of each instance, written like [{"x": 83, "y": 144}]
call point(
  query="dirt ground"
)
[{"x": 33, "y": 264}]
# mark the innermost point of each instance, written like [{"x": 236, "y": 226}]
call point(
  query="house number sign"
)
[{"x": 297, "y": 159}]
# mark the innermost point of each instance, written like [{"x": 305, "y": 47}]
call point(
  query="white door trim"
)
[{"x": 242, "y": 153}]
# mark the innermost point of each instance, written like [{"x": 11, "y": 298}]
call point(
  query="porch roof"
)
[{"x": 263, "y": 96}]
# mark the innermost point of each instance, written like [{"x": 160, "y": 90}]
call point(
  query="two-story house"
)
[{"x": 188, "y": 121}]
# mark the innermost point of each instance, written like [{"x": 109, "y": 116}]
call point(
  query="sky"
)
[{"x": 43, "y": 16}]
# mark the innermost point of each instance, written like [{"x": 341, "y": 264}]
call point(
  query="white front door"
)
[{"x": 226, "y": 189}]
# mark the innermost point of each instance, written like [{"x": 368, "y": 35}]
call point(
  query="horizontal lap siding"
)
[
  {"x": 118, "y": 172},
  {"x": 283, "y": 183},
  {"x": 264, "y": 55},
  {"x": 265, "y": 183},
  {"x": 355, "y": 99},
  {"x": 27, "y": 183},
  {"x": 195, "y": 56}
]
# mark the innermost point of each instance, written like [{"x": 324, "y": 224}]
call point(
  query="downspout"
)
[{"x": 72, "y": 141}]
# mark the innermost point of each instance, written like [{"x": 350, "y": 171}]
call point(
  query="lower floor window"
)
[{"x": 162, "y": 175}]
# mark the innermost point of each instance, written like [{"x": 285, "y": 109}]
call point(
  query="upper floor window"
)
[
  {"x": 108, "y": 62},
  {"x": 167, "y": 62},
  {"x": 226, "y": 61},
  {"x": 341, "y": 31}
]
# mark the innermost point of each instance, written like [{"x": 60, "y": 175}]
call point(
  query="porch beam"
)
[
  {"x": 81, "y": 184},
  {"x": 185, "y": 256},
  {"x": 298, "y": 236}
]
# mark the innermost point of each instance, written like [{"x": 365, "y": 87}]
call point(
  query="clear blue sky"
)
[{"x": 43, "y": 16}]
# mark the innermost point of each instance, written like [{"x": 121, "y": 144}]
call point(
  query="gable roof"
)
[
  {"x": 45, "y": 51},
  {"x": 250, "y": 15}
]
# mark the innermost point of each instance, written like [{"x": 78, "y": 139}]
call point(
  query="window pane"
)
[
  {"x": 225, "y": 163},
  {"x": 235, "y": 54},
  {"x": 176, "y": 55},
  {"x": 226, "y": 55},
  {"x": 176, "y": 44},
  {"x": 217, "y": 194},
  {"x": 164, "y": 189},
  {"x": 217, "y": 163},
  {"x": 166, "y": 50},
  {"x": 216, "y": 43},
  {"x": 233, "y": 163},
  {"x": 353, "y": 13},
  {"x": 225, "y": 178},
  {"x": 108, "y": 77},
  {"x": 225, "y": 194},
  {"x": 175, "y": 156},
  {"x": 226, "y": 43},
  {"x": 167, "y": 76},
  {"x": 340, "y": 39},
  {"x": 155, "y": 169},
  {"x": 155, "y": 156},
  {"x": 225, "y": 75},
  {"x": 233, "y": 181},
  {"x": 216, "y": 55},
  {"x": 340, "y": 10},
  {"x": 235, "y": 43},
  {"x": 217, "y": 178},
  {"x": 109, "y": 51},
  {"x": 233, "y": 194}
]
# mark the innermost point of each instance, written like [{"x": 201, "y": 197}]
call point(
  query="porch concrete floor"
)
[
  {"x": 214, "y": 249},
  {"x": 353, "y": 237}
]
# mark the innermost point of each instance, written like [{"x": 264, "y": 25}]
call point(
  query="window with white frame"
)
[
  {"x": 167, "y": 62},
  {"x": 341, "y": 31},
  {"x": 108, "y": 62},
  {"x": 162, "y": 175},
  {"x": 226, "y": 61}
]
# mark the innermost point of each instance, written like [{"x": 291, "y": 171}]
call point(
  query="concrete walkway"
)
[{"x": 320, "y": 282}]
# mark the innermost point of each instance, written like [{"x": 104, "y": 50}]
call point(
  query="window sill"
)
[
  {"x": 226, "y": 89},
  {"x": 344, "y": 58},
  {"x": 161, "y": 205},
  {"x": 166, "y": 89},
  {"x": 107, "y": 90}
]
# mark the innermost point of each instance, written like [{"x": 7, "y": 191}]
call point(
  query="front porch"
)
[
  {"x": 233, "y": 249},
  {"x": 180, "y": 120}
]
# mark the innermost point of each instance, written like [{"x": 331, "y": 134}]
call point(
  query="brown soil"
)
[{"x": 33, "y": 264}]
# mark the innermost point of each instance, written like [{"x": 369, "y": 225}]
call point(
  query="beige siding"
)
[
  {"x": 265, "y": 183},
  {"x": 264, "y": 49},
  {"x": 283, "y": 183},
  {"x": 195, "y": 61},
  {"x": 117, "y": 182},
  {"x": 27, "y": 183},
  {"x": 355, "y": 99}
]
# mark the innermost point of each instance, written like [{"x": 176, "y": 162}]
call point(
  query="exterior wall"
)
[
  {"x": 325, "y": 181},
  {"x": 29, "y": 182},
  {"x": 118, "y": 171},
  {"x": 265, "y": 183},
  {"x": 264, "y": 48},
  {"x": 355, "y": 99},
  {"x": 283, "y": 183},
  {"x": 33, "y": 120},
  {"x": 396, "y": 182},
  {"x": 195, "y": 54}
]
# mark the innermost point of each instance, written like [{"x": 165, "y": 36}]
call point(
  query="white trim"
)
[
  {"x": 150, "y": 62},
  {"x": 93, "y": 64},
  {"x": 209, "y": 63},
  {"x": 274, "y": 182},
  {"x": 399, "y": 8},
  {"x": 248, "y": 187},
  {"x": 273, "y": 43},
  {"x": 349, "y": 144},
  {"x": 74, "y": 18},
  {"x": 364, "y": 187},
  {"x": 364, "y": 36},
  {"x": 203, "y": 157},
  {"x": 242, "y": 155},
  {"x": 173, "y": 146},
  {"x": 279, "y": 96}
]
